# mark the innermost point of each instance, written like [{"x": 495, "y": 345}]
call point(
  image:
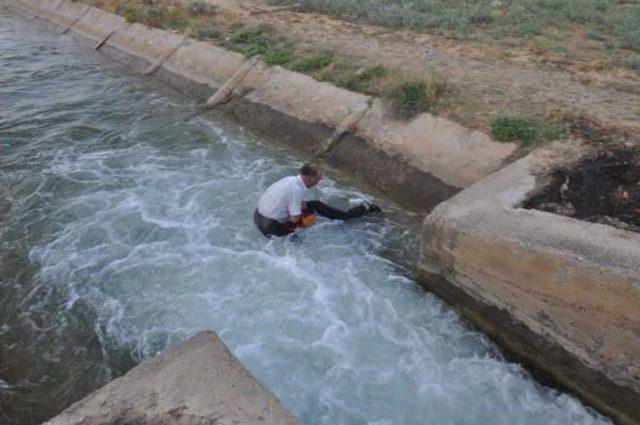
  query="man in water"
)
[{"x": 281, "y": 208}]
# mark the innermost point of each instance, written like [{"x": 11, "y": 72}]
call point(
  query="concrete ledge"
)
[
  {"x": 437, "y": 157},
  {"x": 198, "y": 382},
  {"x": 572, "y": 285},
  {"x": 97, "y": 24}
]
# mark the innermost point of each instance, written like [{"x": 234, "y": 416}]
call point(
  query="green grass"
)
[
  {"x": 526, "y": 130},
  {"x": 280, "y": 54},
  {"x": 259, "y": 40},
  {"x": 409, "y": 98},
  {"x": 312, "y": 63},
  {"x": 617, "y": 19}
]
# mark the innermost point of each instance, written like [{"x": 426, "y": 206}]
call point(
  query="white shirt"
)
[{"x": 283, "y": 199}]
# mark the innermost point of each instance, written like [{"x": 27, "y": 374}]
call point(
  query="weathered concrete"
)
[
  {"x": 570, "y": 286},
  {"x": 440, "y": 156},
  {"x": 198, "y": 382}
]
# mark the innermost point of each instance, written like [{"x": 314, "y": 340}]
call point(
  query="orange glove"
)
[{"x": 308, "y": 219}]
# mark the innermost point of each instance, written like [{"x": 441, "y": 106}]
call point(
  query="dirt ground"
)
[
  {"x": 602, "y": 188},
  {"x": 596, "y": 179},
  {"x": 526, "y": 79}
]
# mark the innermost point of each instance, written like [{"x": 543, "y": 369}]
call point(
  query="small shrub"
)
[
  {"x": 510, "y": 129},
  {"x": 200, "y": 8},
  {"x": 313, "y": 63},
  {"x": 250, "y": 41},
  {"x": 247, "y": 35},
  {"x": 132, "y": 14},
  {"x": 409, "y": 98}
]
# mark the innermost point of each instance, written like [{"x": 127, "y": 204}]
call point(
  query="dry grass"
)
[{"x": 408, "y": 91}]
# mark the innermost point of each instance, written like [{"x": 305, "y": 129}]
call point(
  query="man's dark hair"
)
[{"x": 309, "y": 170}]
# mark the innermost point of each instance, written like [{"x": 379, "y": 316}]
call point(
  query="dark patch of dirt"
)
[{"x": 602, "y": 188}]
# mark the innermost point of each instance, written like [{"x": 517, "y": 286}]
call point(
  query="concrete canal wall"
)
[
  {"x": 419, "y": 163},
  {"x": 559, "y": 294}
]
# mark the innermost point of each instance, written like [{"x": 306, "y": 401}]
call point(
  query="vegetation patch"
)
[
  {"x": 183, "y": 16},
  {"x": 412, "y": 97},
  {"x": 409, "y": 98},
  {"x": 312, "y": 63},
  {"x": 617, "y": 20},
  {"x": 526, "y": 130}
]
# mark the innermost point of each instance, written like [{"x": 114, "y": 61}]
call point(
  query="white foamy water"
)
[{"x": 137, "y": 228}]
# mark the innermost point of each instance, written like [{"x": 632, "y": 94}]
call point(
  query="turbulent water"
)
[{"x": 125, "y": 229}]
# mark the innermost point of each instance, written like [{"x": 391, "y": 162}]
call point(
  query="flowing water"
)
[{"x": 125, "y": 229}]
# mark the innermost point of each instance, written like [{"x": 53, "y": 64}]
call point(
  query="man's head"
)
[{"x": 311, "y": 174}]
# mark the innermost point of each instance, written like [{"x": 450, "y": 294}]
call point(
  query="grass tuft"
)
[
  {"x": 526, "y": 130},
  {"x": 510, "y": 129},
  {"x": 200, "y": 8},
  {"x": 313, "y": 63},
  {"x": 280, "y": 54},
  {"x": 409, "y": 98}
]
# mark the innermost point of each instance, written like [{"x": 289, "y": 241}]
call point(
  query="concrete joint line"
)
[
  {"x": 37, "y": 14},
  {"x": 224, "y": 92},
  {"x": 75, "y": 21},
  {"x": 346, "y": 126},
  {"x": 154, "y": 67},
  {"x": 25, "y": 10},
  {"x": 104, "y": 39}
]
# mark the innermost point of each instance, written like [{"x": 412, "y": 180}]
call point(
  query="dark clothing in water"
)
[{"x": 270, "y": 227}]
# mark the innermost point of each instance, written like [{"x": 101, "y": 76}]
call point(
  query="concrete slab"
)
[{"x": 197, "y": 382}]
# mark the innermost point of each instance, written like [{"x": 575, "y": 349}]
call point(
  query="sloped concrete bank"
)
[
  {"x": 419, "y": 163},
  {"x": 560, "y": 294},
  {"x": 198, "y": 382}
]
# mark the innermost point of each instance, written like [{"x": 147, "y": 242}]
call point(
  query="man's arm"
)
[
  {"x": 296, "y": 218},
  {"x": 294, "y": 207}
]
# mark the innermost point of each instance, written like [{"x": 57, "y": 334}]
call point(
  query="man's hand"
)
[{"x": 295, "y": 219}]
